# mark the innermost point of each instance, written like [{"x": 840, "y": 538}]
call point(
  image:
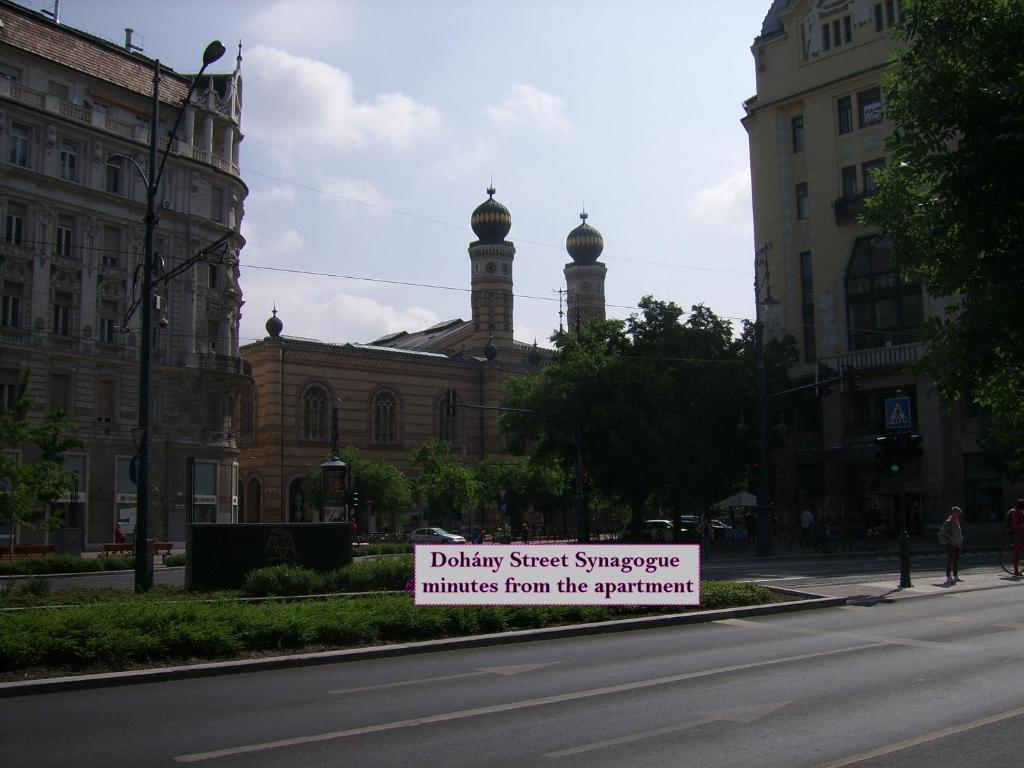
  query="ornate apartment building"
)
[
  {"x": 74, "y": 135},
  {"x": 393, "y": 394},
  {"x": 817, "y": 130}
]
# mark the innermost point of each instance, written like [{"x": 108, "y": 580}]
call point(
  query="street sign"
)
[{"x": 897, "y": 413}]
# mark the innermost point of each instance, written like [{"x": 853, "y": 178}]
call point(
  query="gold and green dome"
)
[
  {"x": 584, "y": 243},
  {"x": 491, "y": 220}
]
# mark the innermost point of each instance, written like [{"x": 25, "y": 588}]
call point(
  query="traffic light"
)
[
  {"x": 887, "y": 456},
  {"x": 353, "y": 499},
  {"x": 450, "y": 404},
  {"x": 912, "y": 450}
]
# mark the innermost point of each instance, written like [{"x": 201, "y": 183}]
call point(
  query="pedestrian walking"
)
[
  {"x": 525, "y": 533},
  {"x": 807, "y": 529},
  {"x": 118, "y": 534},
  {"x": 751, "y": 523},
  {"x": 952, "y": 535},
  {"x": 1015, "y": 524}
]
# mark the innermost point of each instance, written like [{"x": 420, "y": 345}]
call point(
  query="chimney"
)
[
  {"x": 128, "y": 45},
  {"x": 55, "y": 13}
]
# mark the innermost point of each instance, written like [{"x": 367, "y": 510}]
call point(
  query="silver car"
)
[{"x": 435, "y": 536}]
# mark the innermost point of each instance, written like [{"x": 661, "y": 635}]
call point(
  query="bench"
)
[
  {"x": 160, "y": 548},
  {"x": 118, "y": 549},
  {"x": 27, "y": 550}
]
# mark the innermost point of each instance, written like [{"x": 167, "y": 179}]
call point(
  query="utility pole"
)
[{"x": 765, "y": 542}]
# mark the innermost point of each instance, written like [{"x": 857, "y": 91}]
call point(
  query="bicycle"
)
[{"x": 1006, "y": 558}]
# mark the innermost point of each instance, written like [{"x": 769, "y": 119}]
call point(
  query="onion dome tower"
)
[
  {"x": 274, "y": 325},
  {"x": 584, "y": 276},
  {"x": 490, "y": 260}
]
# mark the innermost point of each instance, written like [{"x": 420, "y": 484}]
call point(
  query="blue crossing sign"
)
[{"x": 897, "y": 413}]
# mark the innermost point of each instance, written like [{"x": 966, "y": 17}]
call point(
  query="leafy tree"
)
[
  {"x": 952, "y": 201},
  {"x": 524, "y": 481},
  {"x": 445, "y": 485},
  {"x": 32, "y": 471},
  {"x": 655, "y": 398}
]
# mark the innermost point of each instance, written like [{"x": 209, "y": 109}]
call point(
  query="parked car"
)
[
  {"x": 723, "y": 531},
  {"x": 691, "y": 528},
  {"x": 657, "y": 531},
  {"x": 435, "y": 536}
]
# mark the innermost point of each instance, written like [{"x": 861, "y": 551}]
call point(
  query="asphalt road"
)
[{"x": 911, "y": 682}]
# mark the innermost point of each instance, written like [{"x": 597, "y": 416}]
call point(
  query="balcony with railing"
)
[
  {"x": 894, "y": 356},
  {"x": 98, "y": 119},
  {"x": 235, "y": 366}
]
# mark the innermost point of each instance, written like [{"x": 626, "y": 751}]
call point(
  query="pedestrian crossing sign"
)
[{"x": 897, "y": 413}]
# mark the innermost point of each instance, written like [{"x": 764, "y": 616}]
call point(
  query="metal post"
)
[
  {"x": 765, "y": 542},
  {"x": 901, "y": 458},
  {"x": 143, "y": 540},
  {"x": 765, "y": 545},
  {"x": 582, "y": 513}
]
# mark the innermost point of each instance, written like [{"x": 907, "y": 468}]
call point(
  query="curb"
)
[{"x": 211, "y": 669}]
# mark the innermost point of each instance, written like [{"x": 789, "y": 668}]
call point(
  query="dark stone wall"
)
[{"x": 219, "y": 555}]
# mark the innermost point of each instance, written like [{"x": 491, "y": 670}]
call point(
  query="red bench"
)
[
  {"x": 27, "y": 550},
  {"x": 160, "y": 548}
]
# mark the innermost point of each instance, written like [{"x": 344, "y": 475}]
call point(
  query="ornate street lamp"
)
[{"x": 141, "y": 462}]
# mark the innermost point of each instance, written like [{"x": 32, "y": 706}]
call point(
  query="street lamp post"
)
[
  {"x": 143, "y": 539},
  {"x": 765, "y": 543}
]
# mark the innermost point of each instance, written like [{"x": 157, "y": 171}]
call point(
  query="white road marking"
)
[
  {"x": 924, "y": 738},
  {"x": 503, "y": 671},
  {"x": 880, "y": 639},
  {"x": 746, "y": 714},
  {"x": 509, "y": 707}
]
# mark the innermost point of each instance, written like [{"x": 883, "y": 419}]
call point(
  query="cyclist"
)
[{"x": 1015, "y": 521}]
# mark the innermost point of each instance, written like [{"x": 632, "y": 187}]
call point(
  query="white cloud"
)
[
  {"x": 299, "y": 24},
  {"x": 725, "y": 204},
  {"x": 321, "y": 308},
  {"x": 348, "y": 193},
  {"x": 532, "y": 106},
  {"x": 297, "y": 100},
  {"x": 462, "y": 161},
  {"x": 269, "y": 197}
]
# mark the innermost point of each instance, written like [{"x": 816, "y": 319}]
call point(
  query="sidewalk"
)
[{"x": 981, "y": 538}]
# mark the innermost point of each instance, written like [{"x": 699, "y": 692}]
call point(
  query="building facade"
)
[
  {"x": 75, "y": 121},
  {"x": 817, "y": 130},
  {"x": 393, "y": 394}
]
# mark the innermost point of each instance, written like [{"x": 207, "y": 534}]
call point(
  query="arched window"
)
[
  {"x": 446, "y": 413},
  {"x": 881, "y": 309},
  {"x": 385, "y": 419},
  {"x": 247, "y": 417},
  {"x": 314, "y": 414}
]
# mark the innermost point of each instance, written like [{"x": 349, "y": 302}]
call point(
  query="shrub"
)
[
  {"x": 172, "y": 561},
  {"x": 387, "y": 574},
  {"x": 282, "y": 580},
  {"x": 28, "y": 566}
]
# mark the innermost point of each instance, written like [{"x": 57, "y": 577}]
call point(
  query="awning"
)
[{"x": 741, "y": 499}]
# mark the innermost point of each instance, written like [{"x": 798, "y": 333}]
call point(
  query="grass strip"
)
[{"x": 149, "y": 630}]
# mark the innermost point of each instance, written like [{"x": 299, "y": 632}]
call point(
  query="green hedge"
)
[
  {"x": 386, "y": 574},
  {"x": 141, "y": 630},
  {"x": 33, "y": 566}
]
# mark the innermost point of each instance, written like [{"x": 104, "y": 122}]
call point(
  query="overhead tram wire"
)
[
  {"x": 463, "y": 227},
  {"x": 410, "y": 284}
]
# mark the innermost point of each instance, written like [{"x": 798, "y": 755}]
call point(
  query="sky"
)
[{"x": 373, "y": 129}]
